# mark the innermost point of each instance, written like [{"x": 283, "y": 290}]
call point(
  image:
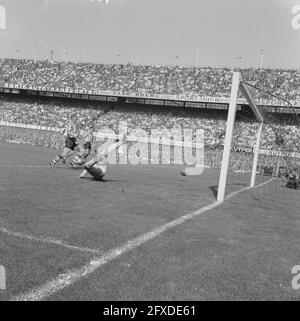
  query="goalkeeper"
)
[{"x": 97, "y": 166}]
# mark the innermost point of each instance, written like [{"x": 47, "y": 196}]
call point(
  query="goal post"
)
[
  {"x": 256, "y": 153},
  {"x": 236, "y": 87}
]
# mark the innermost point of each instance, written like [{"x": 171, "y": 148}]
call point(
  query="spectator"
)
[
  {"x": 174, "y": 80},
  {"x": 54, "y": 114}
]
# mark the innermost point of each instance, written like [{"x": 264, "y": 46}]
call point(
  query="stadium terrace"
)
[{"x": 207, "y": 85}]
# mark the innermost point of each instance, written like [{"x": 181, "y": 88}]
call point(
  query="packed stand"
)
[
  {"x": 55, "y": 113},
  {"x": 174, "y": 80}
]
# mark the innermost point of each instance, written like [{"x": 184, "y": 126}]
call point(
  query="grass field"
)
[{"x": 62, "y": 238}]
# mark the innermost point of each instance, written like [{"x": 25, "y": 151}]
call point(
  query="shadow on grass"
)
[
  {"x": 214, "y": 190},
  {"x": 92, "y": 179}
]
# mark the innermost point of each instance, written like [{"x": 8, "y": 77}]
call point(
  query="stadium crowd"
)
[
  {"x": 55, "y": 113},
  {"x": 174, "y": 80}
]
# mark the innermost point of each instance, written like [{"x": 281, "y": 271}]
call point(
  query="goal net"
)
[{"x": 261, "y": 147}]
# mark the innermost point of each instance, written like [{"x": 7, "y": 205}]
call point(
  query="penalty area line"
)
[
  {"x": 48, "y": 240},
  {"x": 24, "y": 166},
  {"x": 70, "y": 277}
]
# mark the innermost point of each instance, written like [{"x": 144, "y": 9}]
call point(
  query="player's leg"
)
[
  {"x": 55, "y": 160},
  {"x": 87, "y": 165},
  {"x": 84, "y": 172},
  {"x": 77, "y": 160},
  {"x": 70, "y": 145},
  {"x": 97, "y": 171},
  {"x": 65, "y": 153},
  {"x": 91, "y": 162}
]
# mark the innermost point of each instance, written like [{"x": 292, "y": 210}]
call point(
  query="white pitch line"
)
[
  {"x": 49, "y": 241},
  {"x": 66, "y": 279},
  {"x": 249, "y": 187},
  {"x": 24, "y": 166},
  {"x": 268, "y": 181}
]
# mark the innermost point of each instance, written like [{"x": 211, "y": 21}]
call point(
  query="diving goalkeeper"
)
[{"x": 96, "y": 167}]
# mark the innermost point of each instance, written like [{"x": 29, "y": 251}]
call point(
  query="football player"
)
[
  {"x": 84, "y": 148},
  {"x": 70, "y": 134},
  {"x": 97, "y": 166}
]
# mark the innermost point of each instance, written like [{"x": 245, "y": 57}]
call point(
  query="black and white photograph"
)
[{"x": 149, "y": 153}]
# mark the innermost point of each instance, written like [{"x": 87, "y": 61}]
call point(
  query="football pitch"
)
[{"x": 145, "y": 233}]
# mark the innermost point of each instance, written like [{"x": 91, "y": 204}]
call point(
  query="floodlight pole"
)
[
  {"x": 237, "y": 78},
  {"x": 256, "y": 153}
]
